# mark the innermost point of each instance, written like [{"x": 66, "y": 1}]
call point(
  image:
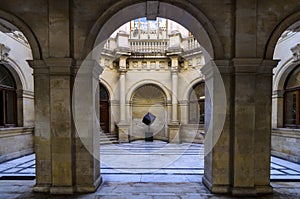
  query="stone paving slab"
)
[
  {"x": 23, "y": 190},
  {"x": 186, "y": 163}
]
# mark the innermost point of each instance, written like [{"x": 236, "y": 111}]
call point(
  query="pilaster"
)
[
  {"x": 218, "y": 125},
  {"x": 174, "y": 126},
  {"x": 86, "y": 121},
  {"x": 123, "y": 126},
  {"x": 42, "y": 129},
  {"x": 252, "y": 127},
  {"x": 277, "y": 109},
  {"x": 60, "y": 70}
]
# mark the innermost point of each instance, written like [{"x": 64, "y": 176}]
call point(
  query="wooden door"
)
[{"x": 104, "y": 116}]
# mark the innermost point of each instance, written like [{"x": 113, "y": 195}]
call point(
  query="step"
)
[
  {"x": 108, "y": 139},
  {"x": 109, "y": 142}
]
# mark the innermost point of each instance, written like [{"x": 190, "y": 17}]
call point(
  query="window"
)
[
  {"x": 8, "y": 99},
  {"x": 292, "y": 99}
]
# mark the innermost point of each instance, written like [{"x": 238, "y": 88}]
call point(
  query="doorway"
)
[{"x": 104, "y": 109}]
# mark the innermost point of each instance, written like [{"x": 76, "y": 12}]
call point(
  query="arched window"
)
[
  {"x": 292, "y": 99},
  {"x": 196, "y": 105},
  {"x": 8, "y": 99}
]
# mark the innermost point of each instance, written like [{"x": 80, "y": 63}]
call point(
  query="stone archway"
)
[
  {"x": 17, "y": 24},
  {"x": 200, "y": 27}
]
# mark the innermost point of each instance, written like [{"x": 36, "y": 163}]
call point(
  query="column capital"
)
[
  {"x": 52, "y": 66},
  {"x": 278, "y": 94},
  {"x": 183, "y": 102},
  {"x": 209, "y": 70},
  {"x": 253, "y": 65},
  {"x": 174, "y": 70},
  {"x": 122, "y": 71},
  {"x": 60, "y": 66},
  {"x": 39, "y": 66},
  {"x": 88, "y": 67},
  {"x": 224, "y": 66}
]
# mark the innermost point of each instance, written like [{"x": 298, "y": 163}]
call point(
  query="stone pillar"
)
[
  {"x": 277, "y": 110},
  {"x": 20, "y": 107},
  {"x": 62, "y": 156},
  {"x": 61, "y": 125},
  {"x": 42, "y": 130},
  {"x": 174, "y": 118},
  {"x": 174, "y": 126},
  {"x": 122, "y": 84},
  {"x": 218, "y": 126},
  {"x": 252, "y": 126},
  {"x": 86, "y": 120},
  {"x": 123, "y": 126},
  {"x": 184, "y": 111},
  {"x": 263, "y": 129}
]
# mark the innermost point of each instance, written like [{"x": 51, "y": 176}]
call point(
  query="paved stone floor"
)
[{"x": 146, "y": 170}]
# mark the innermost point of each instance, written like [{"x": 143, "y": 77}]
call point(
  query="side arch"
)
[
  {"x": 277, "y": 32},
  {"x": 108, "y": 87},
  {"x": 17, "y": 74},
  {"x": 26, "y": 30},
  {"x": 189, "y": 88},
  {"x": 282, "y": 74}
]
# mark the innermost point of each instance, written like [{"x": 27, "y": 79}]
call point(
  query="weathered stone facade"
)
[
  {"x": 156, "y": 66},
  {"x": 239, "y": 36}
]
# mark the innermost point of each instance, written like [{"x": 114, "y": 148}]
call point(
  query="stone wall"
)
[
  {"x": 15, "y": 142},
  {"x": 286, "y": 144}
]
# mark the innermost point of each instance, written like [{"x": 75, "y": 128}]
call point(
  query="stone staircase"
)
[{"x": 107, "y": 138}]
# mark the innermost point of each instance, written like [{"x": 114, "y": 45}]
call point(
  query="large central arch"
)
[{"x": 194, "y": 20}]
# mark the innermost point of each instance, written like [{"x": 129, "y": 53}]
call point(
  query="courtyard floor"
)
[{"x": 146, "y": 170}]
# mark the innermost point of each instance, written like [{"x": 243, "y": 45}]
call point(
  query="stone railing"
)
[
  {"x": 148, "y": 46},
  {"x": 191, "y": 44}
]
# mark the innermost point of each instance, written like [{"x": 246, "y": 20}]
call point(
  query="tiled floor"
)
[
  {"x": 151, "y": 162},
  {"x": 145, "y": 170}
]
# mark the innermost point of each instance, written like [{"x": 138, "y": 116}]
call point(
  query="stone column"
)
[
  {"x": 184, "y": 111},
  {"x": 174, "y": 126},
  {"x": 277, "y": 110},
  {"x": 218, "y": 126},
  {"x": 62, "y": 159},
  {"x": 86, "y": 121},
  {"x": 252, "y": 126},
  {"x": 174, "y": 118},
  {"x": 20, "y": 108},
  {"x": 263, "y": 123},
  {"x": 62, "y": 155},
  {"x": 42, "y": 130},
  {"x": 122, "y": 84},
  {"x": 123, "y": 126}
]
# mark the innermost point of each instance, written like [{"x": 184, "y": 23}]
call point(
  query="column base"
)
[
  {"x": 89, "y": 189},
  {"x": 252, "y": 191},
  {"x": 218, "y": 189},
  {"x": 174, "y": 136},
  {"x": 62, "y": 190},
  {"x": 238, "y": 191},
  {"x": 123, "y": 131},
  {"x": 41, "y": 188}
]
